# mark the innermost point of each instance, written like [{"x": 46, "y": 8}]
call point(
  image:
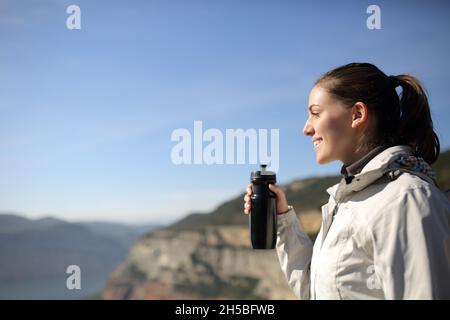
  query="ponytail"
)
[{"x": 416, "y": 125}]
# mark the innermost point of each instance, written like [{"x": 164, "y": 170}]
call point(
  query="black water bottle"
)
[{"x": 263, "y": 216}]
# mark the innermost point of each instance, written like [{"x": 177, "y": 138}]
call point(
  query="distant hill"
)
[
  {"x": 12, "y": 223},
  {"x": 442, "y": 169},
  {"x": 43, "y": 248},
  {"x": 306, "y": 195}
]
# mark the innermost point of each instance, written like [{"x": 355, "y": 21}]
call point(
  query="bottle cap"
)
[{"x": 263, "y": 175}]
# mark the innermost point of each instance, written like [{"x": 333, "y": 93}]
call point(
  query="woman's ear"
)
[{"x": 359, "y": 114}]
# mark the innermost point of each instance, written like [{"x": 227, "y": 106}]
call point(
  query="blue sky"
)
[{"x": 86, "y": 115}]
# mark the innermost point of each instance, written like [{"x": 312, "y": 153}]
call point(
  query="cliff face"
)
[
  {"x": 209, "y": 256},
  {"x": 209, "y": 263},
  {"x": 214, "y": 263}
]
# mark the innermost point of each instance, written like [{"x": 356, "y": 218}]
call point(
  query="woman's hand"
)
[{"x": 282, "y": 206}]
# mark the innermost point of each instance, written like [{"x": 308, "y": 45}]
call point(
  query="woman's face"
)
[{"x": 329, "y": 124}]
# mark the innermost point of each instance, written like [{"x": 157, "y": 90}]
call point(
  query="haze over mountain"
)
[{"x": 39, "y": 251}]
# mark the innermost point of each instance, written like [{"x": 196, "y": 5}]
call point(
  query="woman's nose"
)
[{"x": 308, "y": 129}]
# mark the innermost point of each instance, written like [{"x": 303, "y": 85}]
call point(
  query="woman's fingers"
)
[
  {"x": 247, "y": 199},
  {"x": 282, "y": 206},
  {"x": 247, "y": 207},
  {"x": 275, "y": 189},
  {"x": 249, "y": 189}
]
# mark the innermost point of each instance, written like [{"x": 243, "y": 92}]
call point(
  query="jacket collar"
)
[
  {"x": 371, "y": 172},
  {"x": 383, "y": 159},
  {"x": 349, "y": 171}
]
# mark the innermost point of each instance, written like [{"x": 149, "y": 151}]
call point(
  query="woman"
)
[{"x": 385, "y": 230}]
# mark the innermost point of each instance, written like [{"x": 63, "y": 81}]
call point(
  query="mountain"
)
[
  {"x": 35, "y": 250},
  {"x": 10, "y": 222},
  {"x": 208, "y": 256},
  {"x": 442, "y": 169},
  {"x": 230, "y": 212}
]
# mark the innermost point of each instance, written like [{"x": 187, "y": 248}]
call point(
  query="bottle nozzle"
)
[{"x": 263, "y": 167}]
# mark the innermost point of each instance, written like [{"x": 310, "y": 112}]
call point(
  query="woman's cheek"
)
[{"x": 332, "y": 134}]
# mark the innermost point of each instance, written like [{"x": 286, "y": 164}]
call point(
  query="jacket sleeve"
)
[
  {"x": 411, "y": 246},
  {"x": 294, "y": 249}
]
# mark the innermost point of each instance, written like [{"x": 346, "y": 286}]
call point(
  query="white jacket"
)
[{"x": 386, "y": 240}]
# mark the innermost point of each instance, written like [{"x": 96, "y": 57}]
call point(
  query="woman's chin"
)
[
  {"x": 322, "y": 160},
  {"x": 319, "y": 159}
]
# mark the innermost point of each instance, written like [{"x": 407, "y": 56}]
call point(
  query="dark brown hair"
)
[{"x": 403, "y": 119}]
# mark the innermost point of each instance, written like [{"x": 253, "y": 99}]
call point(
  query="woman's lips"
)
[{"x": 317, "y": 142}]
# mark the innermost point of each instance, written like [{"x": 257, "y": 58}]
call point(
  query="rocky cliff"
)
[{"x": 215, "y": 263}]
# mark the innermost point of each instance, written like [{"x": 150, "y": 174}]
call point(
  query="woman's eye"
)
[{"x": 315, "y": 114}]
